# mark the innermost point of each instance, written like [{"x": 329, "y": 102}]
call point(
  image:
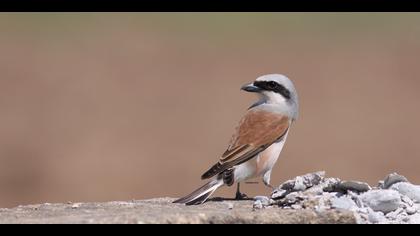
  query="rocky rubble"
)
[{"x": 394, "y": 200}]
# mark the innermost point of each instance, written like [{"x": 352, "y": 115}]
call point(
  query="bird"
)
[{"x": 258, "y": 139}]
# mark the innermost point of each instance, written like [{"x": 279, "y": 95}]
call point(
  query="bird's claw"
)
[{"x": 241, "y": 196}]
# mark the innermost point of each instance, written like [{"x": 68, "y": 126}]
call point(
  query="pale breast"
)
[
  {"x": 258, "y": 166},
  {"x": 268, "y": 158}
]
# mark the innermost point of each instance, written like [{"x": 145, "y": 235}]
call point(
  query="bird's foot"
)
[
  {"x": 241, "y": 196},
  {"x": 271, "y": 187}
]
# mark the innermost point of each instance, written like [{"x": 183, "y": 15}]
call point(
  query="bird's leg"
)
[
  {"x": 239, "y": 195},
  {"x": 270, "y": 186},
  {"x": 266, "y": 180}
]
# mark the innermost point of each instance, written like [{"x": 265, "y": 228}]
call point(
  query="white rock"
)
[
  {"x": 382, "y": 200},
  {"x": 407, "y": 201},
  {"x": 299, "y": 185},
  {"x": 406, "y": 219},
  {"x": 258, "y": 205},
  {"x": 343, "y": 203},
  {"x": 296, "y": 207},
  {"x": 288, "y": 185},
  {"x": 261, "y": 198},
  {"x": 317, "y": 190},
  {"x": 410, "y": 190},
  {"x": 364, "y": 210},
  {"x": 393, "y": 215},
  {"x": 330, "y": 184},
  {"x": 400, "y": 218},
  {"x": 76, "y": 205},
  {"x": 376, "y": 217},
  {"x": 265, "y": 201},
  {"x": 415, "y": 219},
  {"x": 313, "y": 179},
  {"x": 356, "y": 198},
  {"x": 411, "y": 210},
  {"x": 321, "y": 207},
  {"x": 279, "y": 193},
  {"x": 361, "y": 218},
  {"x": 293, "y": 198}
]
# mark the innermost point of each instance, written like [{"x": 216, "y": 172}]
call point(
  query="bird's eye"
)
[{"x": 272, "y": 85}]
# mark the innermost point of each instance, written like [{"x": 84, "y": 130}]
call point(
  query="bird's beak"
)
[{"x": 251, "y": 88}]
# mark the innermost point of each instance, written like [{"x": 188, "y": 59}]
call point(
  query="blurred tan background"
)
[{"x": 120, "y": 106}]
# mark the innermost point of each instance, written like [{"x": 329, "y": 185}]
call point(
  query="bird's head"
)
[{"x": 275, "y": 89}]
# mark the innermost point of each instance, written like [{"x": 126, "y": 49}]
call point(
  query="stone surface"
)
[
  {"x": 265, "y": 201},
  {"x": 160, "y": 211},
  {"x": 392, "y": 179},
  {"x": 397, "y": 205},
  {"x": 328, "y": 184},
  {"x": 300, "y": 183},
  {"x": 415, "y": 219},
  {"x": 279, "y": 193},
  {"x": 355, "y": 186},
  {"x": 393, "y": 215},
  {"x": 411, "y": 210},
  {"x": 343, "y": 203},
  {"x": 258, "y": 205},
  {"x": 382, "y": 200},
  {"x": 376, "y": 216},
  {"x": 407, "y": 201},
  {"x": 410, "y": 190}
]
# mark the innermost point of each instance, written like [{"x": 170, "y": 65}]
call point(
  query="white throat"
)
[
  {"x": 273, "y": 102},
  {"x": 273, "y": 98}
]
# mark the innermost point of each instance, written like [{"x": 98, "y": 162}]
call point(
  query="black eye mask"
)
[{"x": 273, "y": 86}]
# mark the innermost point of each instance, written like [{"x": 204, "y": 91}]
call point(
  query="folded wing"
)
[{"x": 256, "y": 131}]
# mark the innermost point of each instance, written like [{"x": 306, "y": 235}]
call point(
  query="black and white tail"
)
[{"x": 200, "y": 195}]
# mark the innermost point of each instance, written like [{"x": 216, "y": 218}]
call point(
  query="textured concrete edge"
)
[
  {"x": 162, "y": 211},
  {"x": 269, "y": 217}
]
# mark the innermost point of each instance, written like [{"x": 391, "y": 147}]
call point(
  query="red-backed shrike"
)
[{"x": 258, "y": 140}]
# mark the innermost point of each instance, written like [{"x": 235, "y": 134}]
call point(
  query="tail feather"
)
[{"x": 200, "y": 195}]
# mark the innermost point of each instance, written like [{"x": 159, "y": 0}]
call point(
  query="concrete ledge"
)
[{"x": 161, "y": 210}]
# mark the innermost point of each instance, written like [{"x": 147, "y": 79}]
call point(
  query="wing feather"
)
[{"x": 256, "y": 131}]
